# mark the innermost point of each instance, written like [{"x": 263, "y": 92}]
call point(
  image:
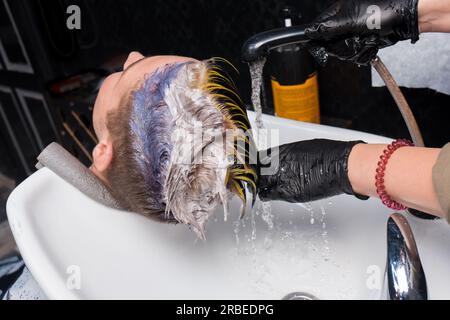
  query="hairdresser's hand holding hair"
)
[
  {"x": 305, "y": 171},
  {"x": 354, "y": 30}
]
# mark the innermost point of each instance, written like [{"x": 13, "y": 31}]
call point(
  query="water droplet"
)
[
  {"x": 253, "y": 221},
  {"x": 267, "y": 243},
  {"x": 267, "y": 215},
  {"x": 237, "y": 229}
]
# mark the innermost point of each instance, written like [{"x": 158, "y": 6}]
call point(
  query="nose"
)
[{"x": 132, "y": 58}]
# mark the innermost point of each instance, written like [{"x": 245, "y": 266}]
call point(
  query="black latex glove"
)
[
  {"x": 306, "y": 171},
  {"x": 349, "y": 30}
]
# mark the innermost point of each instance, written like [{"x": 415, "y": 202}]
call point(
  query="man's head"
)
[
  {"x": 147, "y": 120},
  {"x": 112, "y": 97}
]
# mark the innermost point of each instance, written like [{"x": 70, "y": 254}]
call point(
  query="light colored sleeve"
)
[
  {"x": 441, "y": 179},
  {"x": 25, "y": 288}
]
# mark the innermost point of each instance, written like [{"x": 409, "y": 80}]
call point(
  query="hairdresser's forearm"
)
[
  {"x": 408, "y": 176},
  {"x": 434, "y": 15}
]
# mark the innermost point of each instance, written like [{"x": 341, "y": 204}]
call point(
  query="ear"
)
[{"x": 102, "y": 156}]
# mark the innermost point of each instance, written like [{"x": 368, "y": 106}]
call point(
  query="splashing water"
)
[
  {"x": 269, "y": 245},
  {"x": 326, "y": 247},
  {"x": 264, "y": 209},
  {"x": 284, "y": 236},
  {"x": 237, "y": 229},
  {"x": 310, "y": 209},
  {"x": 256, "y": 71},
  {"x": 268, "y": 217},
  {"x": 253, "y": 221}
]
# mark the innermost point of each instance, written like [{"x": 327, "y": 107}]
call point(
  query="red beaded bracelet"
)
[{"x": 379, "y": 178}]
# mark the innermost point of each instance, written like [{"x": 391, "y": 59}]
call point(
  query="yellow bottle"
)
[
  {"x": 294, "y": 81},
  {"x": 298, "y": 101}
]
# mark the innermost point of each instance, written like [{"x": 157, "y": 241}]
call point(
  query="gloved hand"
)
[
  {"x": 354, "y": 30},
  {"x": 305, "y": 171}
]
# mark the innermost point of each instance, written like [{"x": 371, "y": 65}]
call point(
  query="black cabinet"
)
[{"x": 27, "y": 125}]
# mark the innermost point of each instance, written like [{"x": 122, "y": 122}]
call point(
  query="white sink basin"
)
[{"x": 76, "y": 248}]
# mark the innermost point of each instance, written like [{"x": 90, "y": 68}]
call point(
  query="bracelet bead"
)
[{"x": 380, "y": 171}]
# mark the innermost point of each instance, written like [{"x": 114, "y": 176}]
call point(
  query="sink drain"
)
[{"x": 300, "y": 296}]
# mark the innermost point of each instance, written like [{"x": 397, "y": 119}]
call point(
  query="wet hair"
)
[{"x": 153, "y": 171}]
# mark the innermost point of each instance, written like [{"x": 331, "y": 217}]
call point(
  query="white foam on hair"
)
[{"x": 196, "y": 181}]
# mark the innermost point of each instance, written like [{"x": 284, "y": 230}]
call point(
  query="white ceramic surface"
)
[{"x": 334, "y": 249}]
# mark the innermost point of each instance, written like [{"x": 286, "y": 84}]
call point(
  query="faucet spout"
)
[
  {"x": 259, "y": 45},
  {"x": 405, "y": 276}
]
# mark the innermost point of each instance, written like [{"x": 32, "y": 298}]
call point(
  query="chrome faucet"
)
[{"x": 405, "y": 276}]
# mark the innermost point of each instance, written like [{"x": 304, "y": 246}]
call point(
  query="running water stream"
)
[
  {"x": 265, "y": 237},
  {"x": 256, "y": 72},
  {"x": 264, "y": 210}
]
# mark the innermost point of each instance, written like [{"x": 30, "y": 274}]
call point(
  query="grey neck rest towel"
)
[{"x": 66, "y": 166}]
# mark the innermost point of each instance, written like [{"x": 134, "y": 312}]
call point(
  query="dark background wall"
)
[
  {"x": 206, "y": 28},
  {"x": 202, "y": 29}
]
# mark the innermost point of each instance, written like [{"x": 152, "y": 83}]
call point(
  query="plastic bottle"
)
[{"x": 294, "y": 80}]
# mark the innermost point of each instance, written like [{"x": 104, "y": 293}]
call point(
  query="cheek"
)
[
  {"x": 95, "y": 121},
  {"x": 99, "y": 121},
  {"x": 99, "y": 117}
]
